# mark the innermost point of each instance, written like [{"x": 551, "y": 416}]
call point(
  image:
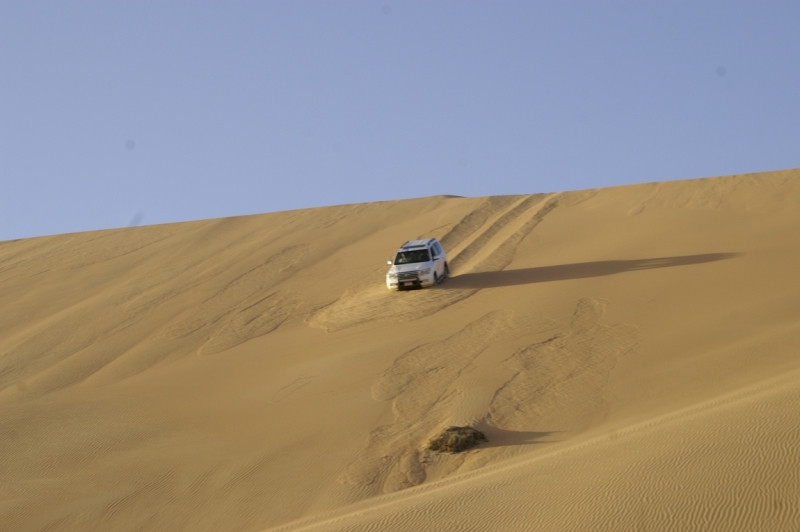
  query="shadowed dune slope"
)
[{"x": 631, "y": 353}]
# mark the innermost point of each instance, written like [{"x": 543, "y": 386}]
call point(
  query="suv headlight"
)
[
  {"x": 426, "y": 271},
  {"x": 391, "y": 276}
]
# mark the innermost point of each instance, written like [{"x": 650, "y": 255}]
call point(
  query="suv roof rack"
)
[{"x": 411, "y": 244}]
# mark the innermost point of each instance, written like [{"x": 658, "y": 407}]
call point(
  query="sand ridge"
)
[
  {"x": 629, "y": 352},
  {"x": 740, "y": 488}
]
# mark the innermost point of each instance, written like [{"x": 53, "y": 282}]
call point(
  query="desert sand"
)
[{"x": 632, "y": 355}]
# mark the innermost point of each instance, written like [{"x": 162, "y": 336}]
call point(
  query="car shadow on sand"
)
[{"x": 580, "y": 270}]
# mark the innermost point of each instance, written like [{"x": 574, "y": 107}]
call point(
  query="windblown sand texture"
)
[{"x": 632, "y": 355}]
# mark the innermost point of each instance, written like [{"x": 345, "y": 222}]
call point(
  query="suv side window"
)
[{"x": 437, "y": 250}]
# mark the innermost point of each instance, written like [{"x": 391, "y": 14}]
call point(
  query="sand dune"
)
[{"x": 631, "y": 353}]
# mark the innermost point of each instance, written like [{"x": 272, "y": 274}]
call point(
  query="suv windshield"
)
[{"x": 407, "y": 257}]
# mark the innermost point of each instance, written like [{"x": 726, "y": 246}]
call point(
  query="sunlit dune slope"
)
[{"x": 632, "y": 355}]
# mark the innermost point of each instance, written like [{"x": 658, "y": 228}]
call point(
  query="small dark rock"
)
[{"x": 456, "y": 439}]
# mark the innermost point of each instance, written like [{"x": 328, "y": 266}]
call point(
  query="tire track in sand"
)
[
  {"x": 559, "y": 384},
  {"x": 497, "y": 229},
  {"x": 418, "y": 383}
]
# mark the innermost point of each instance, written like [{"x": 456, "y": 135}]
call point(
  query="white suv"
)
[{"x": 418, "y": 263}]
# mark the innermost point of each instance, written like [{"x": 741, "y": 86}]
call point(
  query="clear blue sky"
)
[{"x": 115, "y": 113}]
